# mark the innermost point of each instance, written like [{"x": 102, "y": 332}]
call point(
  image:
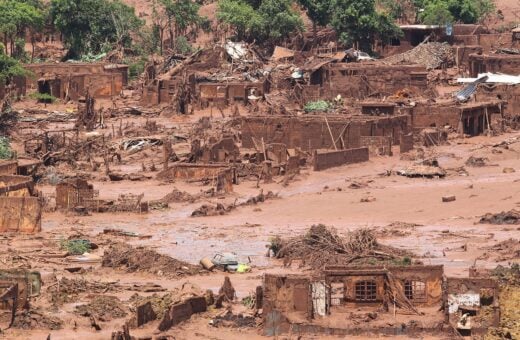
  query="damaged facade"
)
[
  {"x": 70, "y": 81},
  {"x": 21, "y": 205},
  {"x": 355, "y": 300}
]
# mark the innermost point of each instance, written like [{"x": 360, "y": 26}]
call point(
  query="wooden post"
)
[{"x": 330, "y": 132}]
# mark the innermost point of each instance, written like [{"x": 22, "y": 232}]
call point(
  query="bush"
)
[
  {"x": 135, "y": 69},
  {"x": 75, "y": 247},
  {"x": 320, "y": 105},
  {"x": 43, "y": 97},
  {"x": 5, "y": 148}
]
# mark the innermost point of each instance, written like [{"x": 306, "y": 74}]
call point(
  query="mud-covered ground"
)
[{"x": 407, "y": 213}]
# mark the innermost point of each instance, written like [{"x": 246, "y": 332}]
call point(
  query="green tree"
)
[
  {"x": 181, "y": 16},
  {"x": 266, "y": 21},
  {"x": 17, "y": 16},
  {"x": 242, "y": 17},
  {"x": 357, "y": 23},
  {"x": 440, "y": 12},
  {"x": 319, "y": 11},
  {"x": 436, "y": 13},
  {"x": 91, "y": 26},
  {"x": 9, "y": 68}
]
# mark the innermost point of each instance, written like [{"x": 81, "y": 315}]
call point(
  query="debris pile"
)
[
  {"x": 504, "y": 217},
  {"x": 432, "y": 55},
  {"x": 477, "y": 162},
  {"x": 103, "y": 308},
  {"x": 34, "y": 319},
  {"x": 130, "y": 259},
  {"x": 322, "y": 246},
  {"x": 503, "y": 251},
  {"x": 67, "y": 290}
]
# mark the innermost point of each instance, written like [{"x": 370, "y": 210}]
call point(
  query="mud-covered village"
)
[{"x": 259, "y": 169}]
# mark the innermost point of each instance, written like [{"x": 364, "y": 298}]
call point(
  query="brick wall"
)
[
  {"x": 406, "y": 142},
  {"x": 377, "y": 145},
  {"x": 311, "y": 132},
  {"x": 329, "y": 159},
  {"x": 359, "y": 80}
]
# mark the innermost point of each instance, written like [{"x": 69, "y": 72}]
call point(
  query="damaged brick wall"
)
[
  {"x": 406, "y": 143},
  {"x": 377, "y": 145},
  {"x": 494, "y": 63},
  {"x": 360, "y": 80},
  {"x": 329, "y": 159},
  {"x": 8, "y": 167},
  {"x": 312, "y": 132},
  {"x": 21, "y": 208},
  {"x": 70, "y": 80}
]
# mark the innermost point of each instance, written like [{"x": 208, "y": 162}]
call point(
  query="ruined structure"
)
[
  {"x": 20, "y": 204},
  {"x": 494, "y": 63},
  {"x": 333, "y": 300},
  {"x": 313, "y": 132},
  {"x": 473, "y": 118},
  {"x": 74, "y": 192},
  {"x": 70, "y": 80},
  {"x": 361, "y": 80}
]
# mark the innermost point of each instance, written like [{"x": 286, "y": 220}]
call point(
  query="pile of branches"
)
[
  {"x": 322, "y": 246},
  {"x": 431, "y": 55}
]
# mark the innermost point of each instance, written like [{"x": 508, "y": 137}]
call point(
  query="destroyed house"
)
[
  {"x": 226, "y": 93},
  {"x": 74, "y": 192},
  {"x": 493, "y": 63},
  {"x": 368, "y": 79},
  {"x": 472, "y": 118},
  {"x": 312, "y": 132},
  {"x": 71, "y": 80},
  {"x": 334, "y": 300},
  {"x": 508, "y": 94},
  {"x": 8, "y": 167},
  {"x": 20, "y": 205},
  {"x": 472, "y": 304},
  {"x": 412, "y": 36}
]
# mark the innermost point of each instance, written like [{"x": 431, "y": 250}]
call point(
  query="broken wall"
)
[
  {"x": 8, "y": 167},
  {"x": 494, "y": 63},
  {"x": 283, "y": 295},
  {"x": 475, "y": 296},
  {"x": 328, "y": 159},
  {"x": 318, "y": 132},
  {"x": 72, "y": 79},
  {"x": 20, "y": 214},
  {"x": 360, "y": 80},
  {"x": 377, "y": 145}
]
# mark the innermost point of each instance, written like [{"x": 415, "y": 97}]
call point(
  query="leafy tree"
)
[
  {"x": 439, "y": 12},
  {"x": 183, "y": 15},
  {"x": 17, "y": 16},
  {"x": 358, "y": 23},
  {"x": 261, "y": 20},
  {"x": 9, "y": 67},
  {"x": 436, "y": 13},
  {"x": 242, "y": 16},
  {"x": 90, "y": 26},
  {"x": 279, "y": 19},
  {"x": 319, "y": 11}
]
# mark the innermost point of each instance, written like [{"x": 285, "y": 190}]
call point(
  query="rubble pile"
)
[
  {"x": 503, "y": 251},
  {"x": 103, "y": 308},
  {"x": 321, "y": 246},
  {"x": 432, "y": 55},
  {"x": 130, "y": 259},
  {"x": 34, "y": 319},
  {"x": 504, "y": 217},
  {"x": 477, "y": 162},
  {"x": 67, "y": 290}
]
